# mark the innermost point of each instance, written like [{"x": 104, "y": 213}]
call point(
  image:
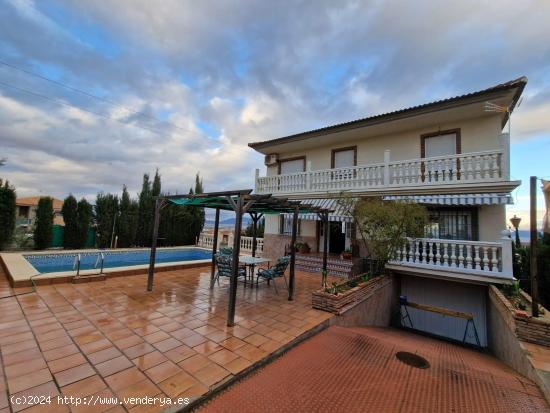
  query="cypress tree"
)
[
  {"x": 7, "y": 213},
  {"x": 43, "y": 224},
  {"x": 106, "y": 212},
  {"x": 84, "y": 220},
  {"x": 70, "y": 217},
  {"x": 126, "y": 228},
  {"x": 144, "y": 213}
]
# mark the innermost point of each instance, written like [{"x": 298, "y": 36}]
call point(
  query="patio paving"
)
[
  {"x": 113, "y": 339},
  {"x": 355, "y": 370}
]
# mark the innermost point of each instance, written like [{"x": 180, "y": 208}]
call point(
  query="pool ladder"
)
[{"x": 78, "y": 258}]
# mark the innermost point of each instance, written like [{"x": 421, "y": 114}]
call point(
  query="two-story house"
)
[
  {"x": 450, "y": 155},
  {"x": 26, "y": 211}
]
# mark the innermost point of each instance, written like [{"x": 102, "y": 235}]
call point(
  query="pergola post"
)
[
  {"x": 255, "y": 219},
  {"x": 293, "y": 254},
  {"x": 158, "y": 205},
  {"x": 325, "y": 248},
  {"x": 214, "y": 247},
  {"x": 238, "y": 207}
]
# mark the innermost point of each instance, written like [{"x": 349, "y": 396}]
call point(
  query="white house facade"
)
[{"x": 452, "y": 156}]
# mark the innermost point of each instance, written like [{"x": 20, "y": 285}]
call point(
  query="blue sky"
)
[{"x": 185, "y": 85}]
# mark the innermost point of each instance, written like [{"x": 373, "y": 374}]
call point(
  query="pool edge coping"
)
[{"x": 22, "y": 274}]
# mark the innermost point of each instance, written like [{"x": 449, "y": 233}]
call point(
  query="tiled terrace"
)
[{"x": 112, "y": 338}]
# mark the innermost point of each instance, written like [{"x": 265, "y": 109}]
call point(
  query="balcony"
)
[
  {"x": 485, "y": 170},
  {"x": 207, "y": 241},
  {"x": 467, "y": 260}
]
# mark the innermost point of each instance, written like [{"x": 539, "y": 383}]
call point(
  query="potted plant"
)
[
  {"x": 302, "y": 247},
  {"x": 347, "y": 254}
]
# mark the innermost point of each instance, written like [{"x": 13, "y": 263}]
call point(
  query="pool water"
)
[{"x": 58, "y": 262}]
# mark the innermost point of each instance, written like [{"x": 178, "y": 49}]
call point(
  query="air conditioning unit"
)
[{"x": 271, "y": 159}]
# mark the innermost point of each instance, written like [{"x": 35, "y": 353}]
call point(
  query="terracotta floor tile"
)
[
  {"x": 180, "y": 353},
  {"x": 211, "y": 374},
  {"x": 177, "y": 384},
  {"x": 88, "y": 338},
  {"x": 113, "y": 366},
  {"x": 241, "y": 332},
  {"x": 207, "y": 348},
  {"x": 104, "y": 355},
  {"x": 65, "y": 363},
  {"x": 25, "y": 367},
  {"x": 256, "y": 340},
  {"x": 162, "y": 371},
  {"x": 44, "y": 390},
  {"x": 16, "y": 338},
  {"x": 250, "y": 353},
  {"x": 232, "y": 343},
  {"x": 128, "y": 341},
  {"x": 30, "y": 380},
  {"x": 149, "y": 360},
  {"x": 74, "y": 374},
  {"x": 139, "y": 350},
  {"x": 167, "y": 344},
  {"x": 194, "y": 363},
  {"x": 60, "y": 352},
  {"x": 237, "y": 365},
  {"x": 223, "y": 356},
  {"x": 84, "y": 387},
  {"x": 21, "y": 356},
  {"x": 270, "y": 346},
  {"x": 125, "y": 378},
  {"x": 17, "y": 347},
  {"x": 156, "y": 337},
  {"x": 144, "y": 388},
  {"x": 194, "y": 340}
]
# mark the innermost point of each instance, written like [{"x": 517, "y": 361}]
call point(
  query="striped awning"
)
[
  {"x": 454, "y": 199},
  {"x": 339, "y": 214}
]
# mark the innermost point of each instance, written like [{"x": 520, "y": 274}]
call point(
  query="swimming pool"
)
[{"x": 58, "y": 262}]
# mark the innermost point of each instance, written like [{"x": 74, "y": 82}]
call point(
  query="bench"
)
[{"x": 469, "y": 317}]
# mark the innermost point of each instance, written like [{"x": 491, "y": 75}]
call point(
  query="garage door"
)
[{"x": 468, "y": 298}]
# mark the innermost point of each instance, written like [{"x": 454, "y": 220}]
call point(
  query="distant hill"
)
[{"x": 228, "y": 221}]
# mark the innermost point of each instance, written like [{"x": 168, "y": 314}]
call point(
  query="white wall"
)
[
  {"x": 492, "y": 221},
  {"x": 476, "y": 135}
]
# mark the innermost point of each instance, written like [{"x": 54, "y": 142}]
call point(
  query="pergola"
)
[{"x": 241, "y": 202}]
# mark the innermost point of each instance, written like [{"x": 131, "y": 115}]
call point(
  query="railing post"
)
[
  {"x": 308, "y": 175},
  {"x": 507, "y": 256},
  {"x": 505, "y": 158},
  {"x": 256, "y": 176},
  {"x": 386, "y": 167}
]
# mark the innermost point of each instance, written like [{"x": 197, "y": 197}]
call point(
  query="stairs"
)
[{"x": 314, "y": 263}]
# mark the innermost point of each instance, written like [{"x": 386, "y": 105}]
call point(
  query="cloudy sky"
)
[{"x": 94, "y": 93}]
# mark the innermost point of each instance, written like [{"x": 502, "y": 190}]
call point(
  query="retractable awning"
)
[
  {"x": 454, "y": 199},
  {"x": 338, "y": 215}
]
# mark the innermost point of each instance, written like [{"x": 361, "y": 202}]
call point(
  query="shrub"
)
[{"x": 7, "y": 213}]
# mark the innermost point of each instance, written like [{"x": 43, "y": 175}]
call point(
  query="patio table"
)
[{"x": 251, "y": 262}]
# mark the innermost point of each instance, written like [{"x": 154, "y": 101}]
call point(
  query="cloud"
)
[{"x": 251, "y": 70}]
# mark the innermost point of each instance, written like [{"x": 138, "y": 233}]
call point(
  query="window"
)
[
  {"x": 292, "y": 166},
  {"x": 285, "y": 225},
  {"x": 344, "y": 157},
  {"x": 452, "y": 223},
  {"x": 440, "y": 143}
]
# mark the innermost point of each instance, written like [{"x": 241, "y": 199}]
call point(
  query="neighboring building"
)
[
  {"x": 26, "y": 211},
  {"x": 450, "y": 155}
]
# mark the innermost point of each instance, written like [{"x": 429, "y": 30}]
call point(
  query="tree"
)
[
  {"x": 7, "y": 213},
  {"x": 70, "y": 217},
  {"x": 84, "y": 220},
  {"x": 145, "y": 212},
  {"x": 384, "y": 225},
  {"x": 106, "y": 214},
  {"x": 43, "y": 223},
  {"x": 249, "y": 230},
  {"x": 128, "y": 218}
]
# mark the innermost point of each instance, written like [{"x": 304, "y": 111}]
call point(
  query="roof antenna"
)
[{"x": 493, "y": 107}]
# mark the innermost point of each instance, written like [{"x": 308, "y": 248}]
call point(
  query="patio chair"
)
[
  {"x": 278, "y": 270},
  {"x": 224, "y": 263},
  {"x": 226, "y": 251}
]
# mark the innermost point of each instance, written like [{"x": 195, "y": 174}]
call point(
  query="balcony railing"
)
[
  {"x": 477, "y": 167},
  {"x": 23, "y": 221},
  {"x": 493, "y": 259},
  {"x": 207, "y": 241}
]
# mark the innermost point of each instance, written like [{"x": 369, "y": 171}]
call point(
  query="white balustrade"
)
[
  {"x": 484, "y": 166},
  {"x": 207, "y": 241},
  {"x": 475, "y": 257}
]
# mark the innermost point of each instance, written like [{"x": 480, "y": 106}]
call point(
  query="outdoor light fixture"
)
[{"x": 515, "y": 223}]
